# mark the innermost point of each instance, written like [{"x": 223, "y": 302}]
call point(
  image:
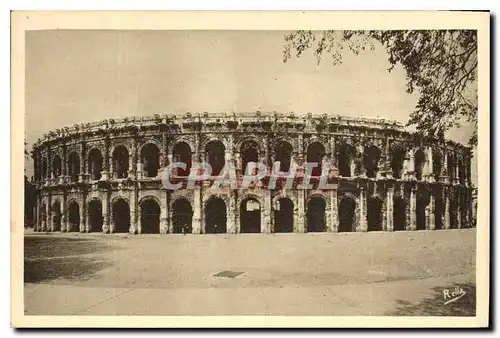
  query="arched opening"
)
[
  {"x": 437, "y": 164},
  {"x": 150, "y": 217},
  {"x": 121, "y": 161},
  {"x": 315, "y": 154},
  {"x": 216, "y": 217},
  {"x": 182, "y": 154},
  {"x": 283, "y": 215},
  {"x": 399, "y": 214},
  {"x": 345, "y": 157},
  {"x": 374, "y": 214},
  {"x": 121, "y": 216},
  {"x": 150, "y": 159},
  {"x": 422, "y": 202},
  {"x": 419, "y": 163},
  {"x": 249, "y": 153},
  {"x": 74, "y": 166},
  {"x": 56, "y": 216},
  {"x": 95, "y": 216},
  {"x": 182, "y": 216},
  {"x": 95, "y": 164},
  {"x": 283, "y": 155},
  {"x": 316, "y": 215},
  {"x": 250, "y": 216},
  {"x": 398, "y": 155},
  {"x": 74, "y": 216},
  {"x": 371, "y": 157},
  {"x": 347, "y": 208},
  {"x": 56, "y": 166},
  {"x": 216, "y": 156}
]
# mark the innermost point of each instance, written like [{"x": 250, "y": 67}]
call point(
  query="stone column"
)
[
  {"x": 83, "y": 214},
  {"x": 266, "y": 212},
  {"x": 106, "y": 171},
  {"x": 64, "y": 164},
  {"x": 164, "y": 215},
  {"x": 197, "y": 210},
  {"x": 50, "y": 220},
  {"x": 231, "y": 212},
  {"x": 444, "y": 169},
  {"x": 390, "y": 209},
  {"x": 446, "y": 216},
  {"x": 362, "y": 226},
  {"x": 105, "y": 212},
  {"x": 83, "y": 162},
  {"x": 333, "y": 224},
  {"x": 413, "y": 209},
  {"x": 112, "y": 226},
  {"x": 430, "y": 164},
  {"x": 300, "y": 222},
  {"x": 64, "y": 215},
  {"x": 431, "y": 217},
  {"x": 134, "y": 213},
  {"x": 133, "y": 160},
  {"x": 411, "y": 165}
]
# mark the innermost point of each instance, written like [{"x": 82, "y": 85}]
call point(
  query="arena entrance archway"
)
[
  {"x": 249, "y": 153},
  {"x": 95, "y": 216},
  {"x": 74, "y": 216},
  {"x": 56, "y": 216},
  {"x": 371, "y": 157},
  {"x": 399, "y": 214},
  {"x": 150, "y": 217},
  {"x": 345, "y": 156},
  {"x": 438, "y": 212},
  {"x": 74, "y": 166},
  {"x": 95, "y": 164},
  {"x": 419, "y": 163},
  {"x": 215, "y": 216},
  {"x": 121, "y": 216},
  {"x": 216, "y": 153},
  {"x": 150, "y": 158},
  {"x": 283, "y": 216},
  {"x": 182, "y": 216},
  {"x": 56, "y": 166},
  {"x": 315, "y": 154},
  {"x": 182, "y": 154},
  {"x": 250, "y": 216},
  {"x": 398, "y": 155},
  {"x": 347, "y": 209},
  {"x": 121, "y": 161},
  {"x": 316, "y": 215},
  {"x": 374, "y": 214},
  {"x": 283, "y": 154}
]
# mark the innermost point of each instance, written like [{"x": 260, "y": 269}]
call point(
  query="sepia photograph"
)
[{"x": 250, "y": 169}]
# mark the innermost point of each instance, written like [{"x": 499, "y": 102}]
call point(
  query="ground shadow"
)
[
  {"x": 46, "y": 246},
  {"x": 48, "y": 258},
  {"x": 71, "y": 268},
  {"x": 435, "y": 305}
]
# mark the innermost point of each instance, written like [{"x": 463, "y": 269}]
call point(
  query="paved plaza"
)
[{"x": 378, "y": 273}]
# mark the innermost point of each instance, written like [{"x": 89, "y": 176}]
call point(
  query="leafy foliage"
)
[{"x": 440, "y": 64}]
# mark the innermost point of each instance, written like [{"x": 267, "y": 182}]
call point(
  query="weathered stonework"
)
[{"x": 105, "y": 176}]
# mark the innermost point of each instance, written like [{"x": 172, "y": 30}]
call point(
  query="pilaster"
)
[
  {"x": 413, "y": 209},
  {"x": 390, "y": 209}
]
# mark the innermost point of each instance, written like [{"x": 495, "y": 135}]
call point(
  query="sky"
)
[{"x": 76, "y": 76}]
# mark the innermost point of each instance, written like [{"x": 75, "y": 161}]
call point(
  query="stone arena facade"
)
[{"x": 106, "y": 176}]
